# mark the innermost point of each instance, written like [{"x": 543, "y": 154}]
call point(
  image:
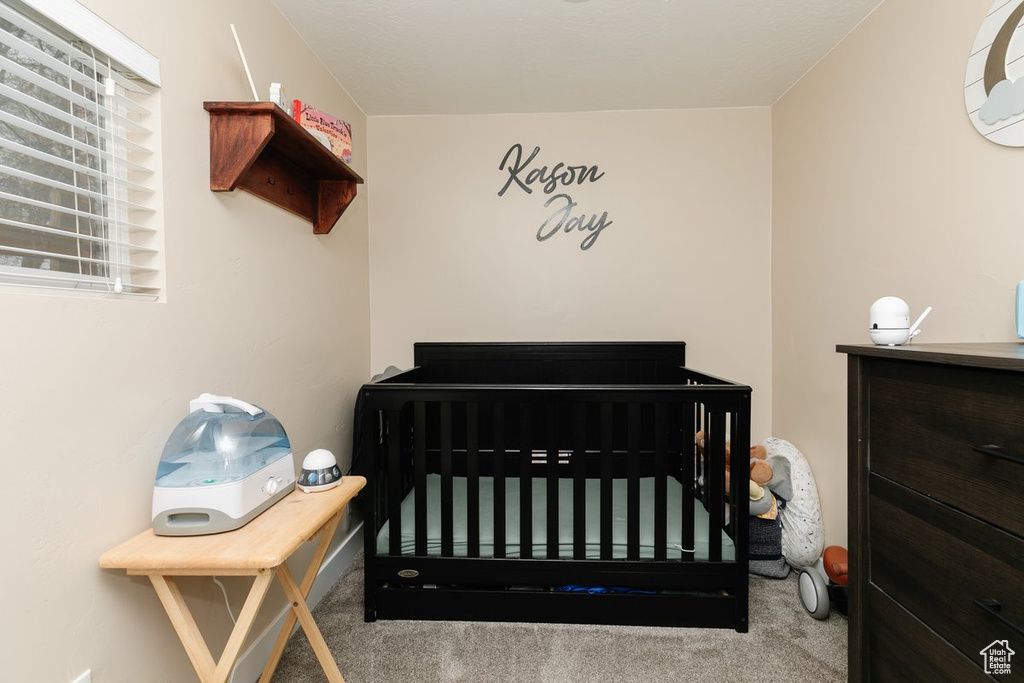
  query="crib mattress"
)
[{"x": 674, "y": 549}]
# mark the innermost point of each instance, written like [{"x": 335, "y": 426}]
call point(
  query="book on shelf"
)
[{"x": 335, "y": 134}]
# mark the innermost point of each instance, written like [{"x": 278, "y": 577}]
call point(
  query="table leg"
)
[
  {"x": 305, "y": 617},
  {"x": 246, "y": 618},
  {"x": 195, "y": 646},
  {"x": 185, "y": 625},
  {"x": 326, "y": 533}
]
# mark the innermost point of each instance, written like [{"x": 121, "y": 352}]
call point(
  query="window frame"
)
[
  {"x": 82, "y": 23},
  {"x": 70, "y": 21}
]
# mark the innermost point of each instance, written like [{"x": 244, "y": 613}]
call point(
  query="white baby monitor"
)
[{"x": 889, "y": 323}]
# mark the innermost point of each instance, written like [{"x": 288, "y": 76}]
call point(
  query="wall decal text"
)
[{"x": 562, "y": 217}]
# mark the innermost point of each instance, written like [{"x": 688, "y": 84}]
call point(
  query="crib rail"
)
[
  {"x": 549, "y": 362},
  {"x": 547, "y": 434}
]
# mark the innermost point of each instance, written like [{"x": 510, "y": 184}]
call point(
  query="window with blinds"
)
[{"x": 77, "y": 208}]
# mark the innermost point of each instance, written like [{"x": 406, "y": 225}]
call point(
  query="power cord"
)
[{"x": 226, "y": 603}]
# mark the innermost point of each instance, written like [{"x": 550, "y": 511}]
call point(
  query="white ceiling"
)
[{"x": 407, "y": 57}]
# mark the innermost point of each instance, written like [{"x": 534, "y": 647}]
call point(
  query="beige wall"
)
[
  {"x": 685, "y": 256},
  {"x": 883, "y": 187},
  {"x": 257, "y": 307}
]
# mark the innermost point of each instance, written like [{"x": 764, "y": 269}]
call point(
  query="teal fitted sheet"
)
[{"x": 674, "y": 548}]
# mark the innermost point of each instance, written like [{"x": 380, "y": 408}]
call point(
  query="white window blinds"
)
[{"x": 76, "y": 205}]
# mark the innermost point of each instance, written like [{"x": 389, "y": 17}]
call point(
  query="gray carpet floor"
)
[{"x": 784, "y": 644}]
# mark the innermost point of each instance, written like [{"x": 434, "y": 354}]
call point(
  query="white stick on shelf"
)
[{"x": 245, "y": 64}]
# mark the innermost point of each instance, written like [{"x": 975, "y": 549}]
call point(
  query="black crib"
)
[{"x": 554, "y": 482}]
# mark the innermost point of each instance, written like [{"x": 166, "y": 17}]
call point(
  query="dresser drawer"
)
[
  {"x": 937, "y": 562},
  {"x": 925, "y": 422},
  {"x": 904, "y": 650}
]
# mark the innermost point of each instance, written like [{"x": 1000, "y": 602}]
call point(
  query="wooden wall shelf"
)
[{"x": 257, "y": 147}]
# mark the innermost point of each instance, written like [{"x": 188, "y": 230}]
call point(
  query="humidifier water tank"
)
[{"x": 226, "y": 462}]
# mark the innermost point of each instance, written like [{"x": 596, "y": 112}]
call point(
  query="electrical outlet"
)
[{"x": 84, "y": 678}]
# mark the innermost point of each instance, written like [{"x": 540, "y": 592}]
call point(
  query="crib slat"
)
[
  {"x": 716, "y": 492},
  {"x": 705, "y": 457},
  {"x": 705, "y": 425},
  {"x": 552, "y": 479},
  {"x": 689, "y": 431},
  {"x": 660, "y": 482},
  {"x": 705, "y": 466},
  {"x": 499, "y": 479},
  {"x": 447, "y": 544},
  {"x": 741, "y": 440},
  {"x": 420, "y": 474},
  {"x": 729, "y": 497},
  {"x": 394, "y": 429},
  {"x": 472, "y": 480},
  {"x": 525, "y": 482},
  {"x": 633, "y": 482},
  {"x": 607, "y": 417},
  {"x": 740, "y": 503},
  {"x": 689, "y": 474},
  {"x": 579, "y": 491}
]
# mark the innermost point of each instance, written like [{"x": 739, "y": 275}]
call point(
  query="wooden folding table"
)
[{"x": 258, "y": 549}]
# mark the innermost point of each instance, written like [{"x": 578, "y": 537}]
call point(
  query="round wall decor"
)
[{"x": 994, "y": 85}]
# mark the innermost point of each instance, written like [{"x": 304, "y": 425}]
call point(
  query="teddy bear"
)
[{"x": 761, "y": 471}]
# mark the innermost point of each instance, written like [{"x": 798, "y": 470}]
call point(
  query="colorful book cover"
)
[{"x": 334, "y": 133}]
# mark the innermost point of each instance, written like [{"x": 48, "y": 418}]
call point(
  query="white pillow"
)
[{"x": 803, "y": 533}]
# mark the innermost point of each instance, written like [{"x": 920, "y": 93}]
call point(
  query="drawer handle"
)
[
  {"x": 993, "y": 608},
  {"x": 998, "y": 452}
]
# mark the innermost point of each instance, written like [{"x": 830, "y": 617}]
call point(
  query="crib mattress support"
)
[
  {"x": 669, "y": 575},
  {"x": 706, "y": 611}
]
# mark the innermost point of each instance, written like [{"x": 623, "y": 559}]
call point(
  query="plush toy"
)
[
  {"x": 761, "y": 500},
  {"x": 765, "y": 557},
  {"x": 760, "y": 469}
]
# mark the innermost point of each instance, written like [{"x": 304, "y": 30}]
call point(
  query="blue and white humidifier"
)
[{"x": 225, "y": 463}]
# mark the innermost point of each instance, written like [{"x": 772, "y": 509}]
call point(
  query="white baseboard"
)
[{"x": 251, "y": 662}]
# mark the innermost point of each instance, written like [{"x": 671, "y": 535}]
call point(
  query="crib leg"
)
[
  {"x": 369, "y": 597},
  {"x": 370, "y": 613},
  {"x": 369, "y": 588},
  {"x": 742, "y": 624}
]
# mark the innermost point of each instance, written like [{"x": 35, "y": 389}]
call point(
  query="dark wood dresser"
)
[{"x": 936, "y": 486}]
